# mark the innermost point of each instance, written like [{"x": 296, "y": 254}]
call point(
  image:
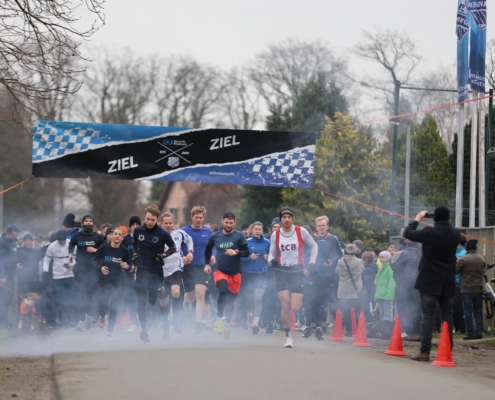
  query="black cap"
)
[
  {"x": 134, "y": 220},
  {"x": 110, "y": 229},
  {"x": 244, "y": 225},
  {"x": 61, "y": 235},
  {"x": 229, "y": 215},
  {"x": 13, "y": 228},
  {"x": 442, "y": 213},
  {"x": 69, "y": 221},
  {"x": 471, "y": 244}
]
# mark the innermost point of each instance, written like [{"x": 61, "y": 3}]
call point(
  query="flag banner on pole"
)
[
  {"x": 476, "y": 18},
  {"x": 462, "y": 32},
  {"x": 108, "y": 151}
]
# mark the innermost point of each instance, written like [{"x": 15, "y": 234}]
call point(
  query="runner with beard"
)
[
  {"x": 85, "y": 276},
  {"x": 149, "y": 242},
  {"x": 112, "y": 260},
  {"x": 230, "y": 246},
  {"x": 173, "y": 267},
  {"x": 130, "y": 299},
  {"x": 288, "y": 258}
]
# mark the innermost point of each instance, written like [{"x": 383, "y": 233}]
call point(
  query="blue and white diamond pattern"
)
[{"x": 291, "y": 165}]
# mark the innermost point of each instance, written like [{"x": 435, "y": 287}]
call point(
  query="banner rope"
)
[
  {"x": 14, "y": 186},
  {"x": 394, "y": 213},
  {"x": 10, "y": 290}
]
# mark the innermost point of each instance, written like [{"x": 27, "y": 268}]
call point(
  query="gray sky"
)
[{"x": 229, "y": 33}]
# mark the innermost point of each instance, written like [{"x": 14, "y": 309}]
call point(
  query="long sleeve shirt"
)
[{"x": 59, "y": 254}]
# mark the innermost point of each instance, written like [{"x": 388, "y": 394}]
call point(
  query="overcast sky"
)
[{"x": 227, "y": 33}]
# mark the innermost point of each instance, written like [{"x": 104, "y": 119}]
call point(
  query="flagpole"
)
[
  {"x": 481, "y": 185},
  {"x": 474, "y": 153},
  {"x": 460, "y": 167}
]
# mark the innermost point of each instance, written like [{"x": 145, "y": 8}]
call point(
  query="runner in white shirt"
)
[
  {"x": 173, "y": 266},
  {"x": 288, "y": 258}
]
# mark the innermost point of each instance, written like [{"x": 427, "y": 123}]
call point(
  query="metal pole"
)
[
  {"x": 1, "y": 210},
  {"x": 408, "y": 172},
  {"x": 482, "y": 151},
  {"x": 394, "y": 158},
  {"x": 460, "y": 167},
  {"x": 488, "y": 146},
  {"x": 472, "y": 175}
]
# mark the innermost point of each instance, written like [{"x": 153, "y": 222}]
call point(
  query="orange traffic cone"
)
[
  {"x": 361, "y": 338},
  {"x": 353, "y": 322},
  {"x": 395, "y": 348},
  {"x": 122, "y": 319},
  {"x": 444, "y": 355},
  {"x": 337, "y": 332},
  {"x": 293, "y": 321},
  {"x": 127, "y": 316}
]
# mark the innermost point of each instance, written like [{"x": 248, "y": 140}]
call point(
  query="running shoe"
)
[
  {"x": 226, "y": 331},
  {"x": 187, "y": 306},
  {"x": 319, "y": 334},
  {"x": 219, "y": 324},
  {"x": 289, "y": 343},
  {"x": 101, "y": 322},
  {"x": 80, "y": 326},
  {"x": 132, "y": 329},
  {"x": 255, "y": 329},
  {"x": 87, "y": 323},
  {"x": 176, "y": 325},
  {"x": 303, "y": 328},
  {"x": 144, "y": 336},
  {"x": 198, "y": 328},
  {"x": 110, "y": 337},
  {"x": 207, "y": 325},
  {"x": 324, "y": 330},
  {"x": 269, "y": 328},
  {"x": 307, "y": 332}
]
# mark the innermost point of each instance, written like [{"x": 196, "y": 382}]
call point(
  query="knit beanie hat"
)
[
  {"x": 377, "y": 251},
  {"x": 245, "y": 225},
  {"x": 350, "y": 249},
  {"x": 88, "y": 216},
  {"x": 134, "y": 220},
  {"x": 471, "y": 244},
  {"x": 359, "y": 244},
  {"x": 69, "y": 221},
  {"x": 386, "y": 255},
  {"x": 276, "y": 220},
  {"x": 442, "y": 213}
]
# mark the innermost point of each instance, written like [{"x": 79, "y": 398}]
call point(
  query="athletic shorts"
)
[
  {"x": 171, "y": 280},
  {"x": 233, "y": 281},
  {"x": 250, "y": 282},
  {"x": 149, "y": 280},
  {"x": 291, "y": 281},
  {"x": 194, "y": 275}
]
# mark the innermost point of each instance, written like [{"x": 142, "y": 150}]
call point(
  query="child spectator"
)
[{"x": 385, "y": 288}]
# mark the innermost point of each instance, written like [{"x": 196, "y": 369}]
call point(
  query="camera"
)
[{"x": 429, "y": 215}]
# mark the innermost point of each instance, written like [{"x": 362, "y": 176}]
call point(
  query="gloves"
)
[
  {"x": 274, "y": 263},
  {"x": 161, "y": 257},
  {"x": 134, "y": 259}
]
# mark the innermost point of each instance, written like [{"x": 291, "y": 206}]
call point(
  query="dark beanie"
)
[
  {"x": 88, "y": 216},
  {"x": 27, "y": 236},
  {"x": 69, "y": 221},
  {"x": 245, "y": 225},
  {"x": 276, "y": 220},
  {"x": 471, "y": 244},
  {"x": 61, "y": 235},
  {"x": 377, "y": 251},
  {"x": 53, "y": 237},
  {"x": 442, "y": 213},
  {"x": 134, "y": 220}
]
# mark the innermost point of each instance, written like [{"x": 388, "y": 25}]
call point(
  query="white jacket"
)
[{"x": 60, "y": 256}]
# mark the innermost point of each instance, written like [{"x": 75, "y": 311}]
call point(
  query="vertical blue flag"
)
[
  {"x": 476, "y": 19},
  {"x": 462, "y": 31}
]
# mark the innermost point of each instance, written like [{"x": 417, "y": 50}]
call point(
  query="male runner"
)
[
  {"x": 85, "y": 276},
  {"x": 130, "y": 299},
  {"x": 287, "y": 257},
  {"x": 196, "y": 281},
  {"x": 230, "y": 245},
  {"x": 148, "y": 243},
  {"x": 172, "y": 272}
]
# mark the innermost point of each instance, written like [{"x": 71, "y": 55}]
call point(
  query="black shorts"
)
[
  {"x": 291, "y": 281},
  {"x": 253, "y": 281},
  {"x": 148, "y": 280},
  {"x": 194, "y": 275},
  {"x": 171, "y": 280}
]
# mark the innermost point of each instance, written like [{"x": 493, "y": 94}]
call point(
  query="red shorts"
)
[{"x": 233, "y": 281}]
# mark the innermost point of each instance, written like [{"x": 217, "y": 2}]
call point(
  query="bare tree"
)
[
  {"x": 396, "y": 52},
  {"x": 186, "y": 93},
  {"x": 285, "y": 68},
  {"x": 37, "y": 39}
]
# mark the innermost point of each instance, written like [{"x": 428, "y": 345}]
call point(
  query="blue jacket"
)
[
  {"x": 368, "y": 276},
  {"x": 260, "y": 265},
  {"x": 328, "y": 249},
  {"x": 460, "y": 252}
]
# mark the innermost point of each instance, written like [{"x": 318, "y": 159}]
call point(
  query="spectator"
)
[
  {"x": 349, "y": 269},
  {"x": 368, "y": 276},
  {"x": 459, "y": 325},
  {"x": 385, "y": 288},
  {"x": 359, "y": 248},
  {"x": 436, "y": 278},
  {"x": 471, "y": 267},
  {"x": 8, "y": 266},
  {"x": 391, "y": 248},
  {"x": 27, "y": 267}
]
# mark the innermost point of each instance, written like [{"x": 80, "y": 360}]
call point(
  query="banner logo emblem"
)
[
  {"x": 173, "y": 162},
  {"x": 155, "y": 239}
]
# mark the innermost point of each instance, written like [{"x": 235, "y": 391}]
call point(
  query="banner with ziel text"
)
[{"x": 108, "y": 151}]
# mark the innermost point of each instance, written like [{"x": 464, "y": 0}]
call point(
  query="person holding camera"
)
[{"x": 436, "y": 277}]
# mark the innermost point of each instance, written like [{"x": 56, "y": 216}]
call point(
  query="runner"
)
[
  {"x": 230, "y": 246},
  {"x": 148, "y": 242},
  {"x": 130, "y": 299},
  {"x": 196, "y": 280},
  {"x": 254, "y": 269},
  {"x": 172, "y": 272},
  {"x": 112, "y": 261},
  {"x": 85, "y": 276},
  {"x": 287, "y": 257}
]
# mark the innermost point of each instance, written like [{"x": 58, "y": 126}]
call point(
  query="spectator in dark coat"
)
[
  {"x": 368, "y": 276},
  {"x": 436, "y": 278}
]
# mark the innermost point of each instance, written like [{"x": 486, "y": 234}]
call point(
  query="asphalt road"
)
[{"x": 244, "y": 367}]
